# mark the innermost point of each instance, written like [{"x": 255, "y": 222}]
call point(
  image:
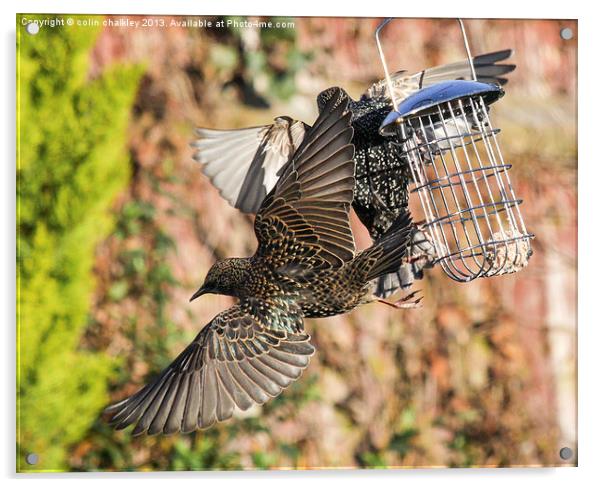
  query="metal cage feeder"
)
[{"x": 471, "y": 211}]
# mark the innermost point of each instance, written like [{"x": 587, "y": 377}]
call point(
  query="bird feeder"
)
[{"x": 471, "y": 211}]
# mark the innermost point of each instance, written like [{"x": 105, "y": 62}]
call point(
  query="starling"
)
[
  {"x": 244, "y": 164},
  {"x": 305, "y": 265}
]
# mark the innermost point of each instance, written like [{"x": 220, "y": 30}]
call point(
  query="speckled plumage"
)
[
  {"x": 305, "y": 266},
  {"x": 382, "y": 175}
]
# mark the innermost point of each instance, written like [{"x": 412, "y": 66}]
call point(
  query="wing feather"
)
[
  {"x": 237, "y": 360},
  {"x": 319, "y": 174},
  {"x": 243, "y": 164}
]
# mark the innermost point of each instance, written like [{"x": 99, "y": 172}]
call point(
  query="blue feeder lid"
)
[{"x": 419, "y": 103}]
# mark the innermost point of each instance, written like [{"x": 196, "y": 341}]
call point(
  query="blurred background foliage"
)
[
  {"x": 112, "y": 242},
  {"x": 72, "y": 164}
]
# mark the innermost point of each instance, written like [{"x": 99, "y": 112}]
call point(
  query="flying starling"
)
[
  {"x": 245, "y": 164},
  {"x": 305, "y": 266}
]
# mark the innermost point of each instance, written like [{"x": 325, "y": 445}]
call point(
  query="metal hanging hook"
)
[
  {"x": 386, "y": 68},
  {"x": 384, "y": 61},
  {"x": 467, "y": 47}
]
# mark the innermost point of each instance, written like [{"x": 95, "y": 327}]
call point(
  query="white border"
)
[{"x": 590, "y": 243}]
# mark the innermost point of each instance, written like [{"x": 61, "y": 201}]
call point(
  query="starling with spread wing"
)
[
  {"x": 244, "y": 164},
  {"x": 305, "y": 265}
]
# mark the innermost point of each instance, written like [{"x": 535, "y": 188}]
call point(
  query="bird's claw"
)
[{"x": 406, "y": 302}]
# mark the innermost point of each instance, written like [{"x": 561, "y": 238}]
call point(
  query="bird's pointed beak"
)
[{"x": 200, "y": 292}]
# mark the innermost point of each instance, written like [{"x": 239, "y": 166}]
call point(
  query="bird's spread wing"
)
[
  {"x": 487, "y": 67},
  {"x": 236, "y": 361},
  {"x": 307, "y": 212},
  {"x": 243, "y": 164}
]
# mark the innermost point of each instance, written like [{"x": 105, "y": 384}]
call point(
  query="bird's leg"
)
[
  {"x": 410, "y": 259},
  {"x": 407, "y": 302}
]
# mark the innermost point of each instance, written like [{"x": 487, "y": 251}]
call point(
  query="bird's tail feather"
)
[
  {"x": 391, "y": 247},
  {"x": 487, "y": 67},
  {"x": 404, "y": 276}
]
